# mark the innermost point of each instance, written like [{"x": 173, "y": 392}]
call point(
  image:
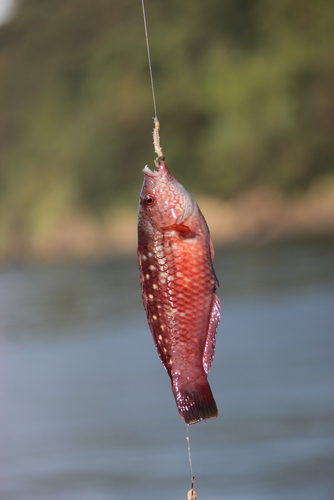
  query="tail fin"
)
[{"x": 195, "y": 404}]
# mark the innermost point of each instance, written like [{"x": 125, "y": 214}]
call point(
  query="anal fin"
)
[{"x": 210, "y": 341}]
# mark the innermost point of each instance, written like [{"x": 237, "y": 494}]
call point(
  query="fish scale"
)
[{"x": 178, "y": 281}]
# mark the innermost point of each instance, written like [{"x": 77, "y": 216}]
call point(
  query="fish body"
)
[{"x": 175, "y": 256}]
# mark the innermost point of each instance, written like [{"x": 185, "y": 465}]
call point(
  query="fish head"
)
[{"x": 163, "y": 199}]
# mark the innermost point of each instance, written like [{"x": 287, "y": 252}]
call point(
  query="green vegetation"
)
[{"x": 244, "y": 89}]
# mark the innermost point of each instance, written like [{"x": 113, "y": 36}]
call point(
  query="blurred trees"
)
[{"x": 244, "y": 89}]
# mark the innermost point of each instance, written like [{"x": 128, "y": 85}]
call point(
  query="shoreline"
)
[{"x": 260, "y": 216}]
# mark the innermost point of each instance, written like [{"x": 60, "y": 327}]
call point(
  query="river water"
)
[{"x": 87, "y": 412}]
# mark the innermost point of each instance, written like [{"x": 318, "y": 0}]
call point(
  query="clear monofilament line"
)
[
  {"x": 149, "y": 60},
  {"x": 189, "y": 456}
]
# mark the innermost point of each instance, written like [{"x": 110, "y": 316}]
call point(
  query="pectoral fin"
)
[{"x": 183, "y": 231}]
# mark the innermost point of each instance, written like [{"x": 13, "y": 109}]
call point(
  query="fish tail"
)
[{"x": 195, "y": 404}]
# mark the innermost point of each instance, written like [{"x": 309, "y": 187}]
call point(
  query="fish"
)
[{"x": 178, "y": 281}]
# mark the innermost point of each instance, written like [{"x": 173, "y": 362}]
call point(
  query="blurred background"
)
[{"x": 245, "y": 97}]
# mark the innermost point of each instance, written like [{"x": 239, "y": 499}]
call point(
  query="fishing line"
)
[
  {"x": 190, "y": 463},
  {"x": 156, "y": 136},
  {"x": 149, "y": 61},
  {"x": 157, "y": 148}
]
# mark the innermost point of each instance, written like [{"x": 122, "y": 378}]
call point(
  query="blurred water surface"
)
[{"x": 86, "y": 406}]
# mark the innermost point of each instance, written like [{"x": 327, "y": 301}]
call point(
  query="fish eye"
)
[{"x": 149, "y": 199}]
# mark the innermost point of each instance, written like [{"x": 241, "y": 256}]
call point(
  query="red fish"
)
[{"x": 175, "y": 255}]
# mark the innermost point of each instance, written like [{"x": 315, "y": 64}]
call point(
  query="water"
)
[{"x": 86, "y": 406}]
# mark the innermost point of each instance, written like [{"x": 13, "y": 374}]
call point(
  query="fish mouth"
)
[
  {"x": 149, "y": 172},
  {"x": 162, "y": 170}
]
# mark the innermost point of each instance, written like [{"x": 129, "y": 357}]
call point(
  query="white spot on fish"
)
[
  {"x": 160, "y": 337},
  {"x": 163, "y": 327},
  {"x": 154, "y": 317},
  {"x": 163, "y": 281},
  {"x": 147, "y": 276},
  {"x": 165, "y": 350},
  {"x": 179, "y": 275},
  {"x": 150, "y": 296},
  {"x": 144, "y": 257},
  {"x": 159, "y": 248},
  {"x": 149, "y": 254},
  {"x": 152, "y": 268},
  {"x": 154, "y": 286}
]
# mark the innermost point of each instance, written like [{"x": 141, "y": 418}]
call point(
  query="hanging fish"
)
[{"x": 175, "y": 255}]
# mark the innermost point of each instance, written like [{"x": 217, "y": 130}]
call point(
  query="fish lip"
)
[
  {"x": 149, "y": 172},
  {"x": 162, "y": 170}
]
